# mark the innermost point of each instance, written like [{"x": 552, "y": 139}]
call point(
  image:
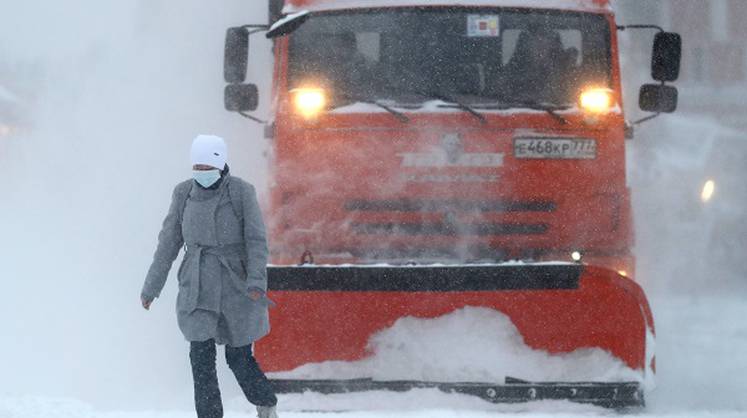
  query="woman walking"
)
[{"x": 222, "y": 280}]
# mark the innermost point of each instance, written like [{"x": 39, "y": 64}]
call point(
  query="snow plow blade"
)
[
  {"x": 622, "y": 395},
  {"x": 329, "y": 313}
]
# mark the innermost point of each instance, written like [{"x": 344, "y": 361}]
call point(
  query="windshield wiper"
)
[
  {"x": 552, "y": 110},
  {"x": 445, "y": 98},
  {"x": 396, "y": 113},
  {"x": 459, "y": 104}
]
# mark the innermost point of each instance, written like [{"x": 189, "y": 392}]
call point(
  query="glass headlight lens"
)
[
  {"x": 597, "y": 100},
  {"x": 309, "y": 102}
]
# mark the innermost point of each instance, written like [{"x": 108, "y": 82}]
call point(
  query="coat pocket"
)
[
  {"x": 237, "y": 273},
  {"x": 180, "y": 272}
]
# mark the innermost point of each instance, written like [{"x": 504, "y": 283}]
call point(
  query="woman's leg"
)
[
  {"x": 257, "y": 389},
  {"x": 207, "y": 394}
]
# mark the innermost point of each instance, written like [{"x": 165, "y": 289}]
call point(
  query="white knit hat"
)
[{"x": 209, "y": 150}]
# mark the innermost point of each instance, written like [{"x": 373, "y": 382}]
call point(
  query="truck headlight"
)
[
  {"x": 596, "y": 100},
  {"x": 309, "y": 102}
]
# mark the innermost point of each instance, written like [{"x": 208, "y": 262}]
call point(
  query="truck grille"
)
[
  {"x": 481, "y": 229},
  {"x": 417, "y": 205},
  {"x": 450, "y": 208}
]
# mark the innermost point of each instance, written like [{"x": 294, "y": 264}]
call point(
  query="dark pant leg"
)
[
  {"x": 257, "y": 389},
  {"x": 207, "y": 394}
]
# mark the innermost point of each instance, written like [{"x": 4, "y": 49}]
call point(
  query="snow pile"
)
[{"x": 470, "y": 344}]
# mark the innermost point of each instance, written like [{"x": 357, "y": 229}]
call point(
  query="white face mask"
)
[{"x": 206, "y": 178}]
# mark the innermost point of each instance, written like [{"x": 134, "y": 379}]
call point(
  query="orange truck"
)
[{"x": 433, "y": 155}]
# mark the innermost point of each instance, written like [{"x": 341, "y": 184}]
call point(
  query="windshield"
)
[{"x": 480, "y": 56}]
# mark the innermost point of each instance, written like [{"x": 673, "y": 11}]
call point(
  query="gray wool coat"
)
[{"x": 224, "y": 237}]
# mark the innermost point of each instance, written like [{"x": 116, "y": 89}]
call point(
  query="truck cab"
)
[{"x": 414, "y": 132}]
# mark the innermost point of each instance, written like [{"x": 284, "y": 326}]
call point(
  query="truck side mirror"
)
[
  {"x": 666, "y": 56},
  {"x": 241, "y": 97},
  {"x": 236, "y": 55},
  {"x": 658, "y": 98}
]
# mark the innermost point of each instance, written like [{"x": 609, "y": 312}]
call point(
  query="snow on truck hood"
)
[
  {"x": 439, "y": 106},
  {"x": 598, "y": 6}
]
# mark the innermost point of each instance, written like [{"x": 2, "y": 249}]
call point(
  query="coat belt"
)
[{"x": 194, "y": 253}]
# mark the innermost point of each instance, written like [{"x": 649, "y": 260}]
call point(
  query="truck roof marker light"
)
[
  {"x": 309, "y": 102},
  {"x": 576, "y": 256},
  {"x": 597, "y": 100}
]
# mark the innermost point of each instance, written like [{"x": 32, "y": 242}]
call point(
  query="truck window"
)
[
  {"x": 570, "y": 38},
  {"x": 482, "y": 55}
]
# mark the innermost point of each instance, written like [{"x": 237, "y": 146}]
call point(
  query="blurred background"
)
[
  {"x": 99, "y": 102},
  {"x": 672, "y": 158},
  {"x": 102, "y": 102}
]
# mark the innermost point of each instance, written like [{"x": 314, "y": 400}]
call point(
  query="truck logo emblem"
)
[
  {"x": 451, "y": 154},
  {"x": 452, "y": 145}
]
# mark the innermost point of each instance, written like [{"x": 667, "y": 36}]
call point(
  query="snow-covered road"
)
[{"x": 702, "y": 372}]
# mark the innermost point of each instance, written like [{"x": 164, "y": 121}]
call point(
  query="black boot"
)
[
  {"x": 257, "y": 389},
  {"x": 207, "y": 394}
]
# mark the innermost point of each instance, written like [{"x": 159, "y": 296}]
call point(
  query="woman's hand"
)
[
  {"x": 255, "y": 295},
  {"x": 146, "y": 303}
]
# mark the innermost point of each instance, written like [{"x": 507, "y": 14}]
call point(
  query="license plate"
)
[{"x": 555, "y": 148}]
